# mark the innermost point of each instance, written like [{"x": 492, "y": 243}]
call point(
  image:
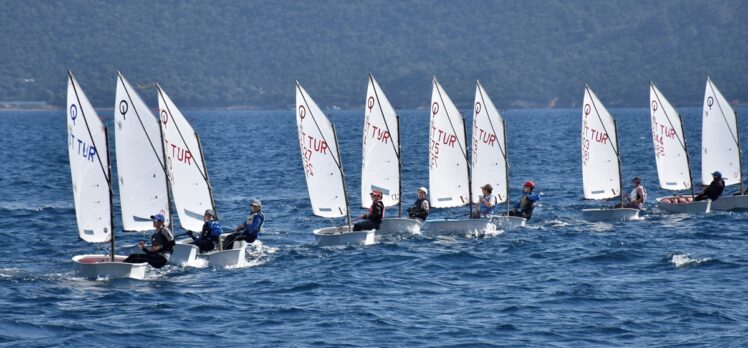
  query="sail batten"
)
[
  {"x": 89, "y": 167},
  {"x": 720, "y": 146},
  {"x": 185, "y": 165},
  {"x": 448, "y": 163},
  {"x": 669, "y": 143},
  {"x": 489, "y": 158},
  {"x": 140, "y": 164},
  {"x": 600, "y": 154},
  {"x": 380, "y": 157},
  {"x": 320, "y": 158}
]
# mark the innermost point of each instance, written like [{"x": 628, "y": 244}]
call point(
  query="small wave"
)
[{"x": 684, "y": 260}]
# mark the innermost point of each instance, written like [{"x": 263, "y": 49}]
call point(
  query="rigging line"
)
[
  {"x": 85, "y": 120},
  {"x": 592, "y": 100},
  {"x": 464, "y": 152},
  {"x": 501, "y": 148},
  {"x": 337, "y": 163},
  {"x": 184, "y": 142},
  {"x": 142, "y": 126},
  {"x": 381, "y": 112},
  {"x": 724, "y": 117},
  {"x": 680, "y": 141}
]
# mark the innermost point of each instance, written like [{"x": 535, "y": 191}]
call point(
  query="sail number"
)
[
  {"x": 659, "y": 134},
  {"x": 309, "y": 145}
]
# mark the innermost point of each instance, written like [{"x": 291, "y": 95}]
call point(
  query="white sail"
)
[
  {"x": 600, "y": 166},
  {"x": 720, "y": 146},
  {"x": 89, "y": 166},
  {"x": 139, "y": 151},
  {"x": 320, "y": 158},
  {"x": 185, "y": 167},
  {"x": 669, "y": 143},
  {"x": 448, "y": 166},
  {"x": 489, "y": 147},
  {"x": 380, "y": 163}
]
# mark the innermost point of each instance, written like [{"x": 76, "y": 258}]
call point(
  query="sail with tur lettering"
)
[
  {"x": 320, "y": 158},
  {"x": 89, "y": 166},
  {"x": 600, "y": 164},
  {"x": 187, "y": 172},
  {"x": 380, "y": 167},
  {"x": 489, "y": 156},
  {"x": 448, "y": 165},
  {"x": 669, "y": 143},
  {"x": 139, "y": 152}
]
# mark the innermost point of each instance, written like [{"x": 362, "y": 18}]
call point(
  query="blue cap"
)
[
  {"x": 717, "y": 174},
  {"x": 158, "y": 217}
]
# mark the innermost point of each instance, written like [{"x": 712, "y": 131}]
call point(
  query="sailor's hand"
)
[
  {"x": 189, "y": 233},
  {"x": 142, "y": 243}
]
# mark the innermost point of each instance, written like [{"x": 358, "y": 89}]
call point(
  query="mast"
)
[
  {"x": 470, "y": 179},
  {"x": 166, "y": 177},
  {"x": 618, "y": 157},
  {"x": 205, "y": 173},
  {"x": 400, "y": 171},
  {"x": 740, "y": 157},
  {"x": 111, "y": 205},
  {"x": 506, "y": 164},
  {"x": 688, "y": 157},
  {"x": 342, "y": 179}
]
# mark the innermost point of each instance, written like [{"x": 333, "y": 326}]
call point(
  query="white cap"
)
[
  {"x": 256, "y": 202},
  {"x": 424, "y": 190}
]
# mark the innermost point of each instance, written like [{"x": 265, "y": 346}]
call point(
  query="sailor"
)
[
  {"x": 210, "y": 234},
  {"x": 714, "y": 190},
  {"x": 374, "y": 217},
  {"x": 526, "y": 203},
  {"x": 247, "y": 231},
  {"x": 637, "y": 196},
  {"x": 162, "y": 245},
  {"x": 487, "y": 202},
  {"x": 420, "y": 209}
]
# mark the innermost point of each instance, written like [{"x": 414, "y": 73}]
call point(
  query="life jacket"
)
[
  {"x": 373, "y": 217},
  {"x": 208, "y": 230},
  {"x": 248, "y": 228},
  {"x": 634, "y": 195},
  {"x": 417, "y": 210},
  {"x": 162, "y": 239},
  {"x": 486, "y": 210}
]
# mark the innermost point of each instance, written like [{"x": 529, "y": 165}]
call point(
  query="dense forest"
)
[{"x": 249, "y": 53}]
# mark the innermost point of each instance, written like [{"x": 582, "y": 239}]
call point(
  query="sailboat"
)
[
  {"x": 720, "y": 147},
  {"x": 601, "y": 161},
  {"x": 489, "y": 157},
  {"x": 449, "y": 170},
  {"x": 323, "y": 170},
  {"x": 190, "y": 186},
  {"x": 671, "y": 153},
  {"x": 92, "y": 188},
  {"x": 380, "y": 163}
]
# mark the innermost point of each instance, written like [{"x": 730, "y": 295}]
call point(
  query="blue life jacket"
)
[
  {"x": 254, "y": 223},
  {"x": 486, "y": 210}
]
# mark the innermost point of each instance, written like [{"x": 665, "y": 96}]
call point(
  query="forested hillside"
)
[{"x": 248, "y": 53}]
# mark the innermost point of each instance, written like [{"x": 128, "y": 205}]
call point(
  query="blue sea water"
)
[{"x": 668, "y": 280}]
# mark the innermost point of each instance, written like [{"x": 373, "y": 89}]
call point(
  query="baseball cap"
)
[{"x": 158, "y": 217}]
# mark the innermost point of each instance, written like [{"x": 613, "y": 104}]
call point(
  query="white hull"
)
[
  {"x": 724, "y": 203},
  {"x": 187, "y": 254},
  {"x": 617, "y": 214},
  {"x": 334, "y": 236},
  {"x": 184, "y": 254},
  {"x": 100, "y": 266},
  {"x": 467, "y": 227},
  {"x": 700, "y": 207},
  {"x": 393, "y": 226},
  {"x": 226, "y": 258},
  {"x": 508, "y": 222}
]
